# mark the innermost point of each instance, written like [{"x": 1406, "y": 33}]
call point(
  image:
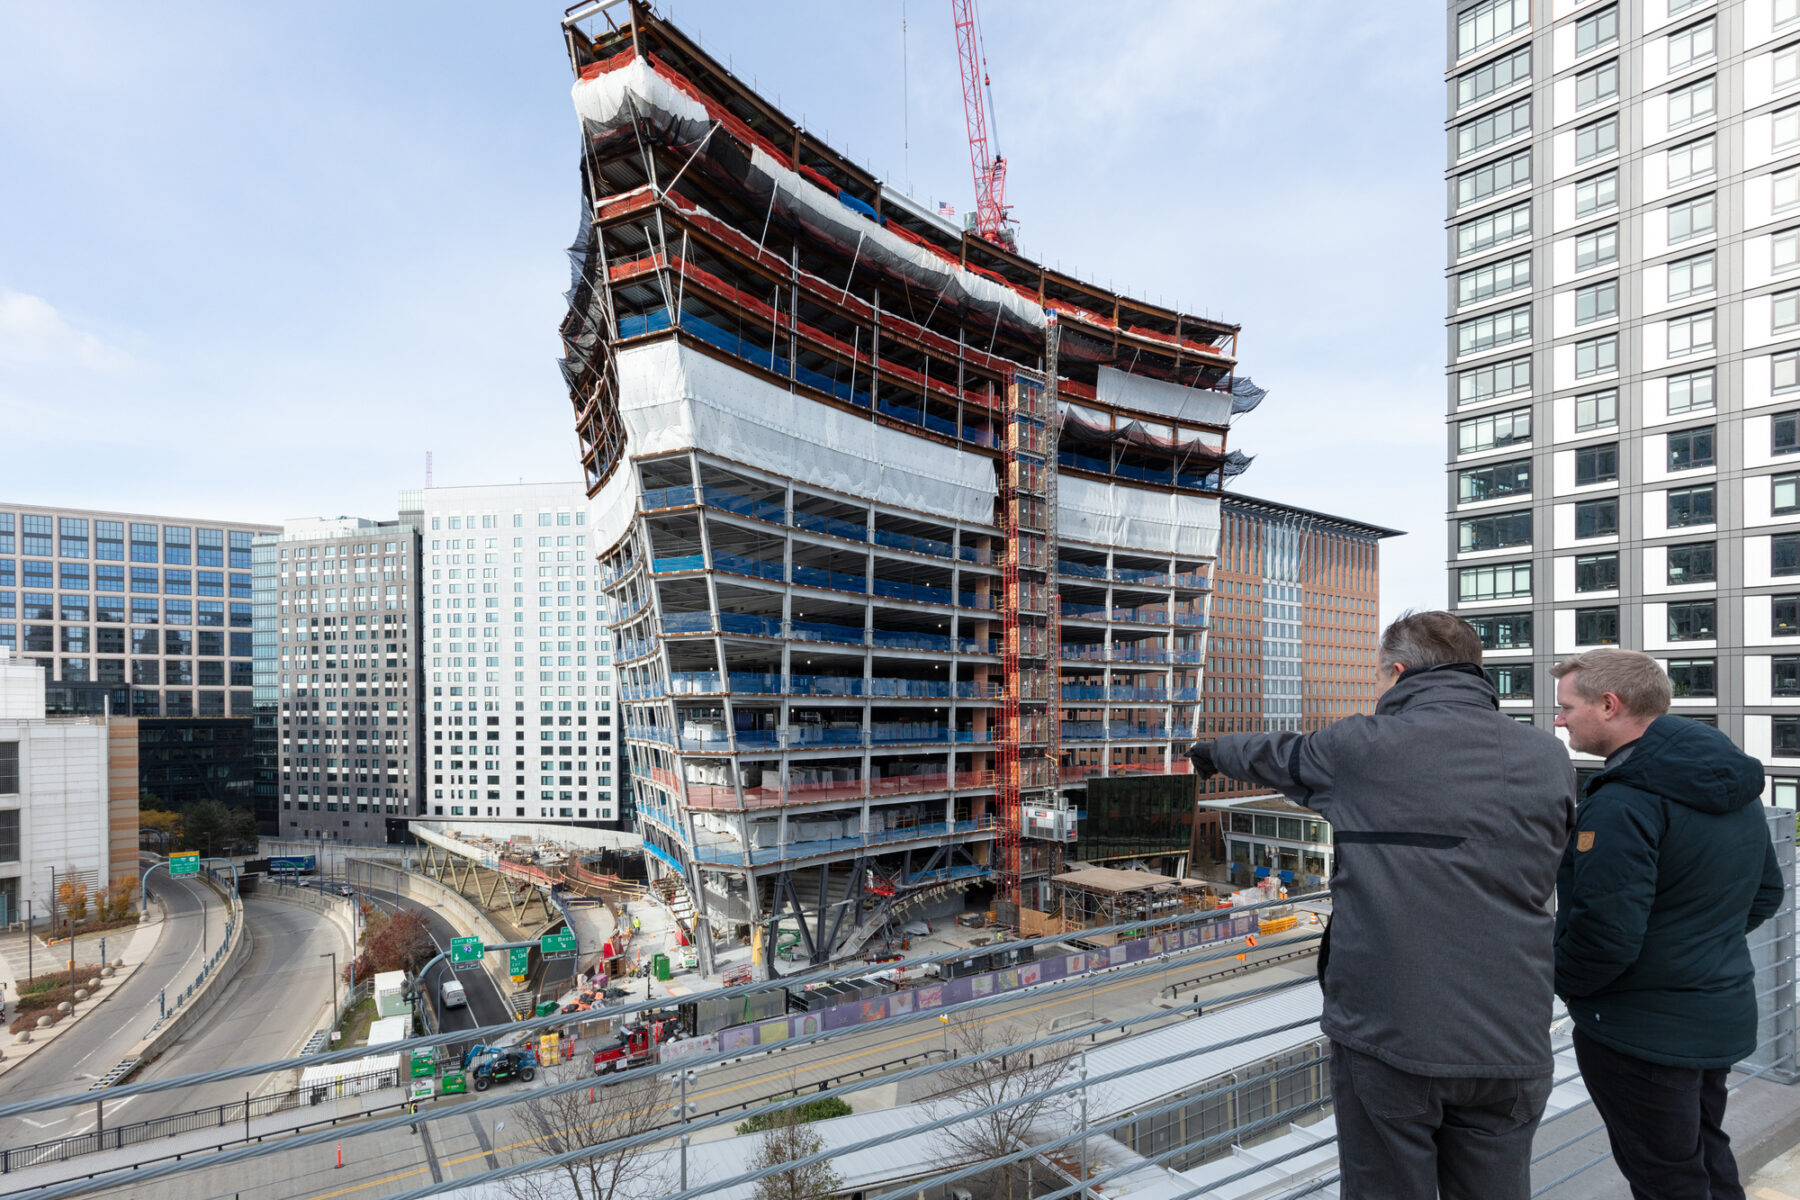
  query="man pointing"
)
[{"x": 1448, "y": 819}]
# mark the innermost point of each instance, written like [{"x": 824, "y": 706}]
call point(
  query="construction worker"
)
[
  {"x": 1671, "y": 865},
  {"x": 1439, "y": 804}
]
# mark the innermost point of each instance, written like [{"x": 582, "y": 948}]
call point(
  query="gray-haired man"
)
[{"x": 1448, "y": 819}]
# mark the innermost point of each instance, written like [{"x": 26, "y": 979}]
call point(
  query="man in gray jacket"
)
[{"x": 1449, "y": 819}]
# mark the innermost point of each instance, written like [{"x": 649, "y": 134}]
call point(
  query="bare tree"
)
[
  {"x": 588, "y": 1117},
  {"x": 1015, "y": 1081},
  {"x": 790, "y": 1137}
]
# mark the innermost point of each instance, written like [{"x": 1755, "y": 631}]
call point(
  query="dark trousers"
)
[
  {"x": 1665, "y": 1124},
  {"x": 1419, "y": 1137}
]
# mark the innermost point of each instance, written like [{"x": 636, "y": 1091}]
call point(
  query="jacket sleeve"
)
[
  {"x": 1612, "y": 887},
  {"x": 1298, "y": 765},
  {"x": 1769, "y": 892}
]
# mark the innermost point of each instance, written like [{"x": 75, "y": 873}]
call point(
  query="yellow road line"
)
[{"x": 758, "y": 1079}]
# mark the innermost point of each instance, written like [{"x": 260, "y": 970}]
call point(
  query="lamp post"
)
[
  {"x": 1084, "y": 1123},
  {"x": 946, "y": 1023},
  {"x": 332, "y": 955},
  {"x": 686, "y": 1110}
]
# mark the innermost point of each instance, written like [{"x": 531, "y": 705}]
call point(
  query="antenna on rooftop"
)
[{"x": 428, "y": 468}]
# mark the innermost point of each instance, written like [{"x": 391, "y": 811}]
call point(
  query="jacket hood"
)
[
  {"x": 1446, "y": 683},
  {"x": 1691, "y": 764}
]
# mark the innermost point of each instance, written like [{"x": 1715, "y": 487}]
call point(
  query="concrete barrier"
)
[{"x": 202, "y": 1001}]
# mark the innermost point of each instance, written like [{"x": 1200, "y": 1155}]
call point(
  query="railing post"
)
[{"x": 1772, "y": 953}]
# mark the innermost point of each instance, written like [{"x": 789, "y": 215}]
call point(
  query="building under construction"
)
[{"x": 905, "y": 537}]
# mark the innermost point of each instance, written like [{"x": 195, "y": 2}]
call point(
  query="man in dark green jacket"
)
[{"x": 1670, "y": 866}]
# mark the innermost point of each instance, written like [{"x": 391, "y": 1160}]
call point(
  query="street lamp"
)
[
  {"x": 686, "y": 1109},
  {"x": 946, "y": 1023},
  {"x": 332, "y": 955}
]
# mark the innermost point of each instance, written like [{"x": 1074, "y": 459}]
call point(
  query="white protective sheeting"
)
[
  {"x": 1124, "y": 390},
  {"x": 672, "y": 398},
  {"x": 1126, "y": 517},
  {"x": 614, "y": 507},
  {"x": 606, "y": 99}
]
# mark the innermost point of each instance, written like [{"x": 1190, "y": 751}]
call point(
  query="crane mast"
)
[{"x": 993, "y": 220}]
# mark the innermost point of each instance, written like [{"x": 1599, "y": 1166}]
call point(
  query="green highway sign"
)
[
  {"x": 184, "y": 862},
  {"x": 466, "y": 950},
  {"x": 555, "y": 944},
  {"x": 518, "y": 961}
]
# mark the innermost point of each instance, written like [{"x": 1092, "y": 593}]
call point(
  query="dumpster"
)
[
  {"x": 546, "y": 1007},
  {"x": 661, "y": 965}
]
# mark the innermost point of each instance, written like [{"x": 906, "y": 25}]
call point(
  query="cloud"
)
[{"x": 33, "y": 332}]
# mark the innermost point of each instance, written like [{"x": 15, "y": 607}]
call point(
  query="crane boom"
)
[{"x": 992, "y": 217}]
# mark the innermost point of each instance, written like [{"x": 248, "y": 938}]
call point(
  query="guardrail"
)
[{"x": 233, "y": 924}]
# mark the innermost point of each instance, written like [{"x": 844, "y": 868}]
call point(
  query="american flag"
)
[{"x": 946, "y": 209}]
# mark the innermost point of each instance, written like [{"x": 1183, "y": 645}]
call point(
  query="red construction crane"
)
[{"x": 993, "y": 219}]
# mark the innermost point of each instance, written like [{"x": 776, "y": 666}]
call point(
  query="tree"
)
[
  {"x": 1017, "y": 1081},
  {"x": 400, "y": 942},
  {"x": 790, "y": 1136},
  {"x": 812, "y": 1110},
  {"x": 166, "y": 826},
  {"x": 240, "y": 828},
  {"x": 590, "y": 1117},
  {"x": 203, "y": 827},
  {"x": 73, "y": 895}
]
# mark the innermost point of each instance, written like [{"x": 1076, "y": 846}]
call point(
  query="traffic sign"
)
[
  {"x": 557, "y": 945},
  {"x": 518, "y": 961},
  {"x": 184, "y": 862},
  {"x": 466, "y": 950}
]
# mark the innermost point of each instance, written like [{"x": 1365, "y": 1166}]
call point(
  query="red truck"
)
[{"x": 634, "y": 1045}]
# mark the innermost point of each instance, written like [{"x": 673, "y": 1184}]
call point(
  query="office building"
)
[
  {"x": 1623, "y": 243},
  {"x": 68, "y": 798},
  {"x": 338, "y": 681},
  {"x": 520, "y": 706},
  {"x": 905, "y": 537}
]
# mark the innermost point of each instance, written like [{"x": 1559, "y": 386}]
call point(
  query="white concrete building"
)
[
  {"x": 55, "y": 821},
  {"x": 519, "y": 721}
]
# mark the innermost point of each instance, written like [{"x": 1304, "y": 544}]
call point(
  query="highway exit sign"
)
[
  {"x": 466, "y": 950},
  {"x": 518, "y": 961},
  {"x": 184, "y": 862},
  {"x": 557, "y": 945}
]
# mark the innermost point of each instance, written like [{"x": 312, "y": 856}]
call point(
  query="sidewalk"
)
[
  {"x": 129, "y": 948},
  {"x": 1778, "y": 1180}
]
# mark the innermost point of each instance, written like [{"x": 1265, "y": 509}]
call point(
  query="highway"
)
[
  {"x": 193, "y": 926},
  {"x": 486, "y": 1005}
]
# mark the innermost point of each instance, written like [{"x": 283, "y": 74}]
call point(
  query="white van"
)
[{"x": 451, "y": 994}]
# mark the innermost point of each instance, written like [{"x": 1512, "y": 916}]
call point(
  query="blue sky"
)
[{"x": 258, "y": 259}]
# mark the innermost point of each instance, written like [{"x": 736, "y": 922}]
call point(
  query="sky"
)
[{"x": 257, "y": 260}]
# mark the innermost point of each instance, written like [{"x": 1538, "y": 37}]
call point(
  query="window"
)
[
  {"x": 1496, "y": 75},
  {"x": 1690, "y": 46},
  {"x": 1493, "y": 279},
  {"x": 1692, "y": 334},
  {"x": 1494, "y": 481},
  {"x": 1597, "y": 247},
  {"x": 1597, "y": 518},
  {"x": 1494, "y": 127},
  {"x": 1596, "y": 30},
  {"x": 1503, "y": 631},
  {"x": 1596, "y": 410},
  {"x": 1691, "y": 276},
  {"x": 1784, "y": 495},
  {"x": 1511, "y": 680},
  {"x": 9, "y": 786},
  {"x": 1597, "y": 302},
  {"x": 1596, "y": 464},
  {"x": 1785, "y": 188},
  {"x": 1784, "y": 554},
  {"x": 1784, "y": 371},
  {"x": 1784, "y": 616},
  {"x": 1494, "y": 229},
  {"x": 1784, "y": 310},
  {"x": 1690, "y": 219},
  {"x": 1692, "y": 562},
  {"x": 1690, "y": 449},
  {"x": 1494, "y": 329},
  {"x": 1786, "y": 127},
  {"x": 1692, "y": 678},
  {"x": 1490, "y": 179},
  {"x": 1593, "y": 140},
  {"x": 1597, "y": 626},
  {"x": 1695, "y": 621},
  {"x": 1690, "y": 506},
  {"x": 1689, "y": 104},
  {"x": 1599, "y": 83},
  {"x": 1784, "y": 433},
  {"x": 1785, "y": 736},
  {"x": 1491, "y": 22},
  {"x": 1692, "y": 392},
  {"x": 1596, "y": 193},
  {"x": 1691, "y": 161},
  {"x": 1597, "y": 356},
  {"x": 1497, "y": 581},
  {"x": 1784, "y": 675},
  {"x": 1493, "y": 531},
  {"x": 1492, "y": 380},
  {"x": 1786, "y": 13},
  {"x": 1784, "y": 251},
  {"x": 1493, "y": 430}
]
